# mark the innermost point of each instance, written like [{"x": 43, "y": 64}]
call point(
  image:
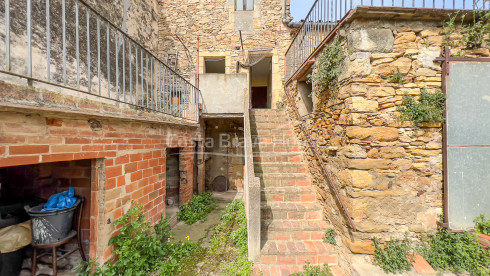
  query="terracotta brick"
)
[
  {"x": 44, "y": 140},
  {"x": 110, "y": 183},
  {"x": 422, "y": 266},
  {"x": 76, "y": 140},
  {"x": 3, "y": 149},
  {"x": 286, "y": 259},
  {"x": 113, "y": 171},
  {"x": 65, "y": 148},
  {"x": 86, "y": 155},
  {"x": 92, "y": 147},
  {"x": 136, "y": 157},
  {"x": 58, "y": 157},
  {"x": 136, "y": 175},
  {"x": 28, "y": 149},
  {"x": 122, "y": 159},
  {"x": 54, "y": 122},
  {"x": 19, "y": 160}
]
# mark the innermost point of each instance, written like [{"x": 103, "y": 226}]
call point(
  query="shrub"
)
[
  {"x": 393, "y": 258},
  {"x": 482, "y": 225},
  {"x": 429, "y": 108},
  {"x": 197, "y": 208},
  {"x": 330, "y": 236},
  {"x": 327, "y": 70},
  {"x": 140, "y": 248},
  {"x": 455, "y": 252},
  {"x": 310, "y": 270}
]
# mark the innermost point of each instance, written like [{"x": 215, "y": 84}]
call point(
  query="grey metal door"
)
[{"x": 468, "y": 143}]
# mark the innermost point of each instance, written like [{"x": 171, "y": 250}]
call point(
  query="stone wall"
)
[
  {"x": 217, "y": 24},
  {"x": 127, "y": 149},
  {"x": 389, "y": 172}
]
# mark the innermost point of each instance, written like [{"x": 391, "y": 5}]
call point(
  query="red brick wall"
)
[{"x": 133, "y": 155}]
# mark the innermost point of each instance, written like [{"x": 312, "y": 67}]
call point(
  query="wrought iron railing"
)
[
  {"x": 325, "y": 14},
  {"x": 70, "y": 45}
]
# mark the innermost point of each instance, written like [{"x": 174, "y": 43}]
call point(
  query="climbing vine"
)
[
  {"x": 473, "y": 32},
  {"x": 327, "y": 70}
]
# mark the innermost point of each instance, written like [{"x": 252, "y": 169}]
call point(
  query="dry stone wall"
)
[{"x": 389, "y": 172}]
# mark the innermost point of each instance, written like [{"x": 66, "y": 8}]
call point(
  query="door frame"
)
[{"x": 446, "y": 60}]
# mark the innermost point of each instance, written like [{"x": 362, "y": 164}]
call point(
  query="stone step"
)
[
  {"x": 278, "y": 157},
  {"x": 273, "y": 148},
  {"x": 275, "y": 130},
  {"x": 314, "y": 235},
  {"x": 286, "y": 270},
  {"x": 283, "y": 180},
  {"x": 287, "y": 167},
  {"x": 295, "y": 249},
  {"x": 288, "y": 194},
  {"x": 293, "y": 225},
  {"x": 306, "y": 209}
]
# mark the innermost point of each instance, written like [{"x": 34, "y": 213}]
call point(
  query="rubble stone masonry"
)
[
  {"x": 389, "y": 172},
  {"x": 217, "y": 24}
]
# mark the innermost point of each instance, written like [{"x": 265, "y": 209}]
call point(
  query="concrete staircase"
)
[{"x": 292, "y": 224}]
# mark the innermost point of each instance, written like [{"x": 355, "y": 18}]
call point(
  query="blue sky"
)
[{"x": 300, "y": 8}]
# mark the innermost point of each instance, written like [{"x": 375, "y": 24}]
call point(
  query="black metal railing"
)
[
  {"x": 325, "y": 14},
  {"x": 68, "y": 44}
]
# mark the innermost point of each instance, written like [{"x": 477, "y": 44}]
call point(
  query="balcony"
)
[
  {"x": 325, "y": 16},
  {"x": 68, "y": 47}
]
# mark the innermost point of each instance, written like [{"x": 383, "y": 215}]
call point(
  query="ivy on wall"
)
[{"x": 326, "y": 71}]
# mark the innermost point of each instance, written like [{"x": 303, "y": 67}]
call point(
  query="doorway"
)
[
  {"x": 173, "y": 182},
  {"x": 195, "y": 171},
  {"x": 261, "y": 83},
  {"x": 467, "y": 143}
]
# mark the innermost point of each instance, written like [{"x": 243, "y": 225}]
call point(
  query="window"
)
[
  {"x": 215, "y": 65},
  {"x": 244, "y": 5}
]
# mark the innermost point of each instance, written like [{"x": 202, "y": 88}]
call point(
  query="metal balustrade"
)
[
  {"x": 325, "y": 14},
  {"x": 70, "y": 45}
]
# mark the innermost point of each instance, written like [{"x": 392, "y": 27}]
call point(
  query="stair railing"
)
[{"x": 316, "y": 152}]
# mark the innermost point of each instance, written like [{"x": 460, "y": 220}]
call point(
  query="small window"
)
[
  {"x": 215, "y": 65},
  {"x": 244, "y": 5}
]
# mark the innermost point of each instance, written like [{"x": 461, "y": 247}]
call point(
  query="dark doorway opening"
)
[
  {"x": 259, "y": 97},
  {"x": 195, "y": 171},
  {"x": 173, "y": 182},
  {"x": 261, "y": 83}
]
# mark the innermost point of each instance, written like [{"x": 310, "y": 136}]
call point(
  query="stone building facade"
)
[
  {"x": 256, "y": 37},
  {"x": 217, "y": 24},
  {"x": 389, "y": 173}
]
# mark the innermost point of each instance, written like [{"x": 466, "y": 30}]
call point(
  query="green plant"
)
[
  {"x": 197, "y": 208},
  {"x": 280, "y": 105},
  {"x": 455, "y": 252},
  {"x": 397, "y": 77},
  {"x": 393, "y": 258},
  {"x": 482, "y": 224},
  {"x": 429, "y": 107},
  {"x": 309, "y": 270},
  {"x": 140, "y": 249},
  {"x": 327, "y": 70},
  {"x": 330, "y": 236},
  {"x": 232, "y": 229},
  {"x": 473, "y": 33}
]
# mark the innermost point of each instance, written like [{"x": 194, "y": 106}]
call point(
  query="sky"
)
[{"x": 300, "y": 8}]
